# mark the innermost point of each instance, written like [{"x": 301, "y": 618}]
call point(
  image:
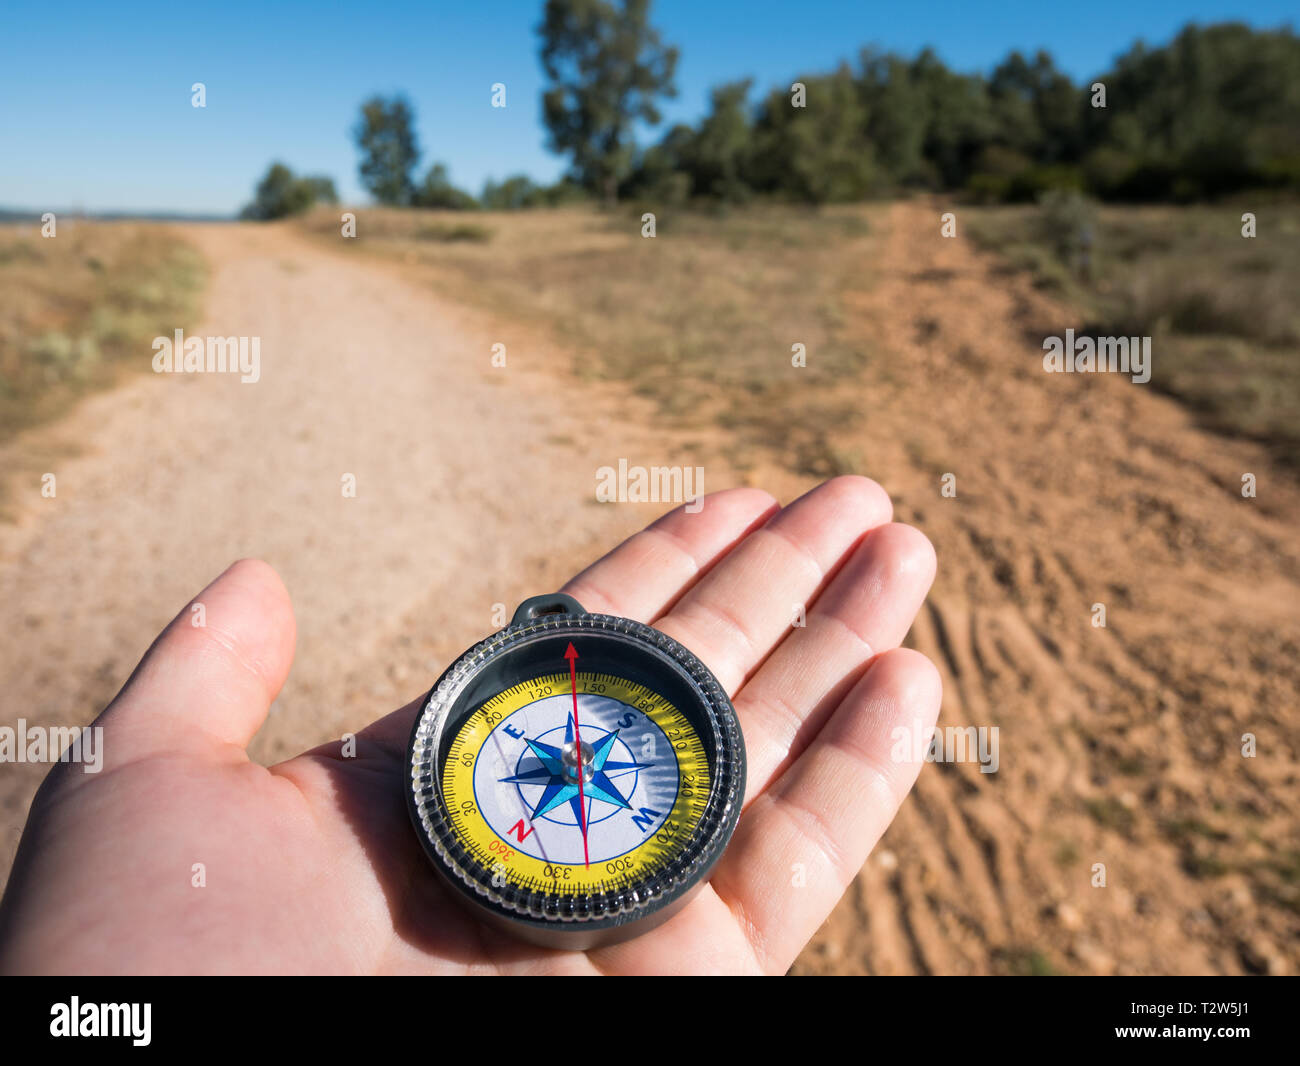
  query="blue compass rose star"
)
[{"x": 559, "y": 789}]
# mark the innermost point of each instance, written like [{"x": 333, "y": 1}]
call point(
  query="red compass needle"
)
[{"x": 571, "y": 653}]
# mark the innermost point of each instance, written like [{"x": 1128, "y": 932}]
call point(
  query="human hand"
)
[{"x": 312, "y": 865}]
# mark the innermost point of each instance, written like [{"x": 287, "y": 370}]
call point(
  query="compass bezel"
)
[{"x": 575, "y": 920}]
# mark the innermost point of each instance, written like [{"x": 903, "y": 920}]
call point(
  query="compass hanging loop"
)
[{"x": 554, "y": 603}]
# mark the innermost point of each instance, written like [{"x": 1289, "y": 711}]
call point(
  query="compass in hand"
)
[{"x": 575, "y": 776}]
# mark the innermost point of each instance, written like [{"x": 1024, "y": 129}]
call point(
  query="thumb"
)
[{"x": 211, "y": 675}]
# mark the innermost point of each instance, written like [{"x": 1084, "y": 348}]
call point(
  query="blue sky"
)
[{"x": 95, "y": 98}]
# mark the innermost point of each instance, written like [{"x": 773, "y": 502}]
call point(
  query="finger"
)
[
  {"x": 647, "y": 572},
  {"x": 209, "y": 682},
  {"x": 736, "y": 614},
  {"x": 804, "y": 840},
  {"x": 867, "y": 609},
  {"x": 638, "y": 579}
]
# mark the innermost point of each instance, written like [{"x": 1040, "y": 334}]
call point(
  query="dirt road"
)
[
  {"x": 471, "y": 490},
  {"x": 1119, "y": 746}
]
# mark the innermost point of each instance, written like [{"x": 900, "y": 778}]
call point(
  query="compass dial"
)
[
  {"x": 513, "y": 779},
  {"x": 575, "y": 776}
]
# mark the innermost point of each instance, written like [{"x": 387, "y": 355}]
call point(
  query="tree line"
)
[{"x": 1215, "y": 111}]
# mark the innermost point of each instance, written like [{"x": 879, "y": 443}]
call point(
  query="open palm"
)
[{"x": 311, "y": 865}]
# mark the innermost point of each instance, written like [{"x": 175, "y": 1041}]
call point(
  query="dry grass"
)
[
  {"x": 701, "y": 318},
  {"x": 1220, "y": 308},
  {"x": 78, "y": 309}
]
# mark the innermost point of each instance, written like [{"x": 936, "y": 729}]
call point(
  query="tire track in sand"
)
[{"x": 1119, "y": 745}]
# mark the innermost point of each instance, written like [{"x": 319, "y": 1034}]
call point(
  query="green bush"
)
[
  {"x": 461, "y": 231},
  {"x": 281, "y": 194},
  {"x": 437, "y": 191},
  {"x": 1068, "y": 224},
  {"x": 1034, "y": 183}
]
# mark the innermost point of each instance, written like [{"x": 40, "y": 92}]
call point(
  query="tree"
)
[
  {"x": 607, "y": 66},
  {"x": 438, "y": 191},
  {"x": 898, "y": 116},
  {"x": 959, "y": 122},
  {"x": 1216, "y": 109},
  {"x": 280, "y": 193},
  {"x": 1038, "y": 109},
  {"x": 662, "y": 171},
  {"x": 389, "y": 150},
  {"x": 718, "y": 156},
  {"x": 512, "y": 193},
  {"x": 818, "y": 153}
]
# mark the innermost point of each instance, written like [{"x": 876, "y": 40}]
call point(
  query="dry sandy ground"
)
[{"x": 1119, "y": 746}]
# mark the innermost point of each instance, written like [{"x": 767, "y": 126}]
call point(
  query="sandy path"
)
[
  {"x": 362, "y": 373},
  {"x": 1119, "y": 746}
]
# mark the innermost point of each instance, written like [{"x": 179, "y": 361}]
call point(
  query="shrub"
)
[{"x": 280, "y": 194}]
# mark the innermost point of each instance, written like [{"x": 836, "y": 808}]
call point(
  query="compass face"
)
[
  {"x": 575, "y": 776},
  {"x": 512, "y": 780}
]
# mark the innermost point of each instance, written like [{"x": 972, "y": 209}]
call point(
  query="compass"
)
[{"x": 575, "y": 776}]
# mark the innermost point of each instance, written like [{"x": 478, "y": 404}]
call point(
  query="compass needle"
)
[
  {"x": 580, "y": 771},
  {"x": 611, "y": 790}
]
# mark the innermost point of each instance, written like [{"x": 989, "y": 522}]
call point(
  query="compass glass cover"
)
[{"x": 580, "y": 769}]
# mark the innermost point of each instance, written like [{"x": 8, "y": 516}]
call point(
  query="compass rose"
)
[{"x": 558, "y": 774}]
